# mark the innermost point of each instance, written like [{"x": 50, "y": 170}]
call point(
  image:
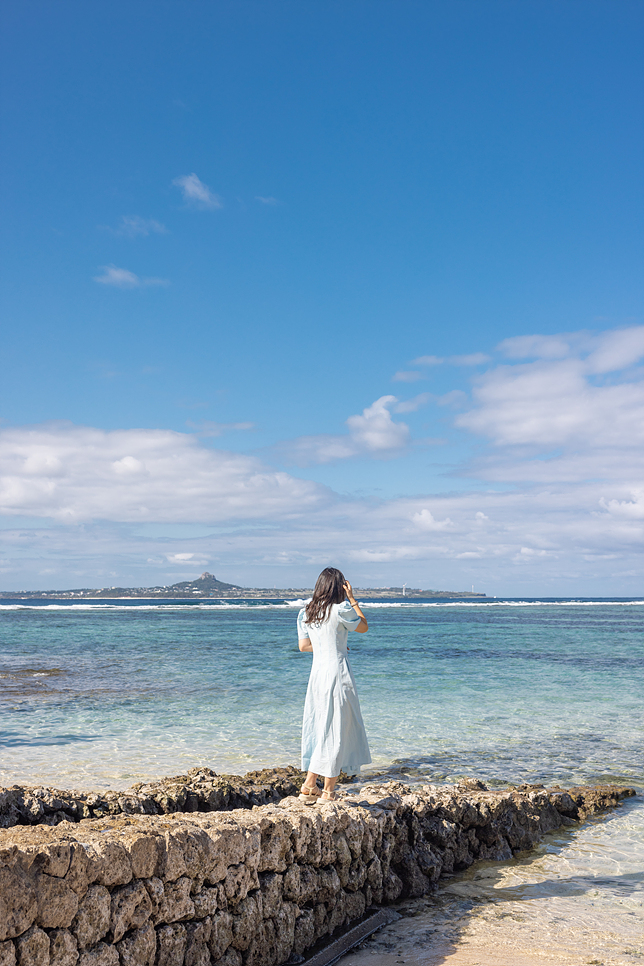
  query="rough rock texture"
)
[
  {"x": 201, "y": 790},
  {"x": 252, "y": 887}
]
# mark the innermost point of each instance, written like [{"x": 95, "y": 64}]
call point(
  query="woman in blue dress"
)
[{"x": 333, "y": 735}]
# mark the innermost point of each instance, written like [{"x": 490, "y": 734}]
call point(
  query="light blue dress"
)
[{"x": 333, "y": 735}]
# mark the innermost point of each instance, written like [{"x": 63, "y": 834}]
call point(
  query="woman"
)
[{"x": 333, "y": 735}]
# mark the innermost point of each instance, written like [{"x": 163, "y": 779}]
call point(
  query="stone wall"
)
[{"x": 252, "y": 887}]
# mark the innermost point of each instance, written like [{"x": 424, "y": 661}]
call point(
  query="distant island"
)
[{"x": 208, "y": 586}]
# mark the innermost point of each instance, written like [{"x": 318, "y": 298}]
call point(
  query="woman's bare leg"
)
[
  {"x": 311, "y": 780},
  {"x": 329, "y": 787}
]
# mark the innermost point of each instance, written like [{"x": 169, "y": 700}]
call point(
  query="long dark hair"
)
[{"x": 329, "y": 590}]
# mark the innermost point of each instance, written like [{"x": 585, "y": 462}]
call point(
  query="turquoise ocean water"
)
[{"x": 105, "y": 693}]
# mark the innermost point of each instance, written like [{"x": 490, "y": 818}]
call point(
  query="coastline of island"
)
[{"x": 207, "y": 586}]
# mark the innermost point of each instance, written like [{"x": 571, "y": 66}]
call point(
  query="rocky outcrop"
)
[
  {"x": 201, "y": 790},
  {"x": 252, "y": 887}
]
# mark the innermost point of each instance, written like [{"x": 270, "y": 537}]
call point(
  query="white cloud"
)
[
  {"x": 426, "y": 521},
  {"x": 609, "y": 351},
  {"x": 552, "y": 422},
  {"x": 617, "y": 350},
  {"x": 73, "y": 473},
  {"x": 410, "y": 376},
  {"x": 411, "y": 405},
  {"x": 196, "y": 193},
  {"x": 128, "y": 466},
  {"x": 132, "y": 226},
  {"x": 549, "y": 404},
  {"x": 118, "y": 277},
  {"x": 375, "y": 431},
  {"x": 473, "y": 359},
  {"x": 428, "y": 361},
  {"x": 372, "y": 433},
  {"x": 632, "y": 509},
  {"x": 123, "y": 278},
  {"x": 187, "y": 560},
  {"x": 536, "y": 346},
  {"x": 267, "y": 200}
]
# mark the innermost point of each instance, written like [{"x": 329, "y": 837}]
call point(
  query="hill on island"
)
[{"x": 206, "y": 584}]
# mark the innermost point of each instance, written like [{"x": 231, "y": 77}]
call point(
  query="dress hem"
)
[{"x": 350, "y": 768}]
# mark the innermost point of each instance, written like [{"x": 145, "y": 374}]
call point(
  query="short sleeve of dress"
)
[
  {"x": 347, "y": 616},
  {"x": 302, "y": 629}
]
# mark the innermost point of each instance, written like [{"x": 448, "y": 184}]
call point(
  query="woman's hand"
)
[{"x": 348, "y": 589}]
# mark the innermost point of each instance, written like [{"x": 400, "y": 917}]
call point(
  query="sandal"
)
[
  {"x": 328, "y": 797},
  {"x": 309, "y": 795}
]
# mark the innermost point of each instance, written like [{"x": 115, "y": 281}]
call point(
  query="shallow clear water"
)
[{"x": 106, "y": 694}]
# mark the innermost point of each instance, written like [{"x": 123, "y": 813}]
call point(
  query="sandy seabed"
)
[{"x": 457, "y": 927}]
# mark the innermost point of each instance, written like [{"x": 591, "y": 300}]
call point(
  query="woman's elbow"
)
[{"x": 362, "y": 627}]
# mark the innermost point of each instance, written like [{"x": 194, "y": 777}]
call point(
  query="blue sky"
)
[{"x": 295, "y": 283}]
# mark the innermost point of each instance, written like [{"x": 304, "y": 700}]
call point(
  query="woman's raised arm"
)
[{"x": 363, "y": 626}]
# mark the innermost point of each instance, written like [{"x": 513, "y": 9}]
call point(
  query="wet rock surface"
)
[{"x": 255, "y": 885}]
